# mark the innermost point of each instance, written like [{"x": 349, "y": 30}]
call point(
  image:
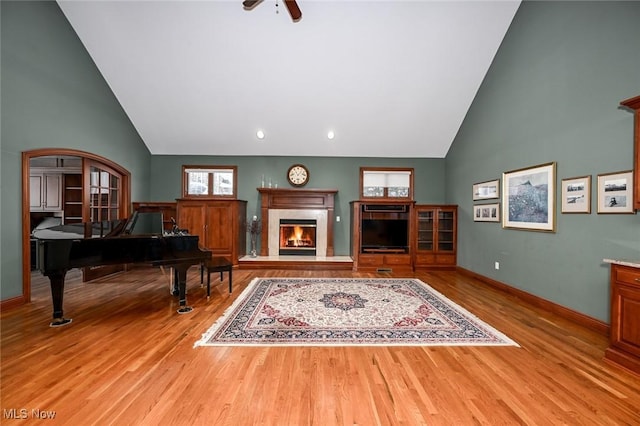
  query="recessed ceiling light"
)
[
  {"x": 331, "y": 135},
  {"x": 260, "y": 134}
]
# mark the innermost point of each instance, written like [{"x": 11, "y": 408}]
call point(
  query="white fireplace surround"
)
[{"x": 321, "y": 217}]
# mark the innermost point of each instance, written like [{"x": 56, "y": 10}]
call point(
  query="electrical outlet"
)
[
  {"x": 497, "y": 265},
  {"x": 337, "y": 218}
]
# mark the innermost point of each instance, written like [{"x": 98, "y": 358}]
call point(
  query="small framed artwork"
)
[
  {"x": 486, "y": 213},
  {"x": 615, "y": 192},
  {"x": 576, "y": 195},
  {"x": 486, "y": 190},
  {"x": 529, "y": 198}
]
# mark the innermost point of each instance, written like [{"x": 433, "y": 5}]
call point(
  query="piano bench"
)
[{"x": 216, "y": 264}]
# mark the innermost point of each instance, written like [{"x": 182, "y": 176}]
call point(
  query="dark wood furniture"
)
[
  {"x": 634, "y": 104},
  {"x": 436, "y": 236},
  {"x": 624, "y": 338},
  {"x": 220, "y": 224},
  {"x": 116, "y": 242},
  {"x": 284, "y": 198},
  {"x": 382, "y": 225},
  {"x": 216, "y": 264},
  {"x": 167, "y": 208},
  {"x": 381, "y": 256}
]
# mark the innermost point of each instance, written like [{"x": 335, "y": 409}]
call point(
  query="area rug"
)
[{"x": 347, "y": 312}]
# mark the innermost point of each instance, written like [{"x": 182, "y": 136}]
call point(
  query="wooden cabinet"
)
[
  {"x": 220, "y": 225},
  {"x": 436, "y": 236},
  {"x": 73, "y": 198},
  {"x": 168, "y": 209},
  {"x": 634, "y": 104},
  {"x": 45, "y": 192},
  {"x": 381, "y": 235},
  {"x": 624, "y": 340}
]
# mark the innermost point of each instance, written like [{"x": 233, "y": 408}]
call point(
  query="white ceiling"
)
[{"x": 391, "y": 78}]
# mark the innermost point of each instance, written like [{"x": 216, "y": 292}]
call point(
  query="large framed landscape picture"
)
[{"x": 528, "y": 198}]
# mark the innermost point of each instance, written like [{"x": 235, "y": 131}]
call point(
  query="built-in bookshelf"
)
[{"x": 72, "y": 196}]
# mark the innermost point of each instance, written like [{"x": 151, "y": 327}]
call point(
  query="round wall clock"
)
[{"x": 298, "y": 175}]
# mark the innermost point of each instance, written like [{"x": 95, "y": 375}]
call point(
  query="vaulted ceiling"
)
[{"x": 390, "y": 78}]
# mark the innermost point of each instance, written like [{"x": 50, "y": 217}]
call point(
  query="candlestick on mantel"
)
[{"x": 254, "y": 228}]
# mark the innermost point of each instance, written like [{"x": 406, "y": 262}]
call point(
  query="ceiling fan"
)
[{"x": 292, "y": 7}]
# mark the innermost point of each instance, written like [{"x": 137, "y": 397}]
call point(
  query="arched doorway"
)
[{"x": 105, "y": 194}]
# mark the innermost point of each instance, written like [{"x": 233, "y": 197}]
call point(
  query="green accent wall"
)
[
  {"x": 552, "y": 94},
  {"x": 52, "y": 95},
  {"x": 340, "y": 173}
]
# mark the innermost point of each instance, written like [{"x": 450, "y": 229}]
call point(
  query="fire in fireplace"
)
[{"x": 298, "y": 237}]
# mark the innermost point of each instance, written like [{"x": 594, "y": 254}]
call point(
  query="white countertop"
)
[{"x": 625, "y": 262}]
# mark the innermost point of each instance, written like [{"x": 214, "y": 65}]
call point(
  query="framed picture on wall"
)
[
  {"x": 528, "y": 198},
  {"x": 576, "y": 195},
  {"x": 486, "y": 190},
  {"x": 615, "y": 192},
  {"x": 486, "y": 213}
]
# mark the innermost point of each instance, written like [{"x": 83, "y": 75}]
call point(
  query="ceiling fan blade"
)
[
  {"x": 250, "y": 4},
  {"x": 294, "y": 10}
]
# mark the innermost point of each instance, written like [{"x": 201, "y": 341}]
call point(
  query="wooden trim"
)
[
  {"x": 284, "y": 198},
  {"x": 26, "y": 231},
  {"x": 634, "y": 105},
  {"x": 296, "y": 265},
  {"x": 185, "y": 195},
  {"x": 564, "y": 312},
  {"x": 615, "y": 356},
  {"x": 386, "y": 169},
  {"x": 14, "y": 302}
]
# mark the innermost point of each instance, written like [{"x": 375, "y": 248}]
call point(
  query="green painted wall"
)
[
  {"x": 342, "y": 174},
  {"x": 552, "y": 94},
  {"x": 52, "y": 95}
]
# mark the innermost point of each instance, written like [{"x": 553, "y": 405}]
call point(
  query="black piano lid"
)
[
  {"x": 144, "y": 223},
  {"x": 140, "y": 223}
]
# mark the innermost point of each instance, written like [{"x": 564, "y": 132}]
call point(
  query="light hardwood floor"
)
[{"x": 128, "y": 358}]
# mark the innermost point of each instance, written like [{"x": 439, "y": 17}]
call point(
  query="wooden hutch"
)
[
  {"x": 390, "y": 232},
  {"x": 634, "y": 105},
  {"x": 209, "y": 209},
  {"x": 624, "y": 339}
]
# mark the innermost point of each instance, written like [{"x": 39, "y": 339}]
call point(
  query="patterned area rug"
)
[{"x": 345, "y": 312}]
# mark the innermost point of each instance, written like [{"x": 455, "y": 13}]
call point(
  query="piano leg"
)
[
  {"x": 181, "y": 279},
  {"x": 56, "y": 278},
  {"x": 175, "y": 291}
]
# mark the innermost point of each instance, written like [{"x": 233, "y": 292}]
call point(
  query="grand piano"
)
[{"x": 138, "y": 239}]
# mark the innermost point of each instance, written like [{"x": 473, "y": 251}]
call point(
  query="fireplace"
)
[
  {"x": 297, "y": 237},
  {"x": 299, "y": 205}
]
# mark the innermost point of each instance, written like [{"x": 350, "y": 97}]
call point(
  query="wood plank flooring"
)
[{"x": 128, "y": 359}]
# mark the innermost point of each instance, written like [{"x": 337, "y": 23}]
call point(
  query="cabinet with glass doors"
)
[{"x": 436, "y": 236}]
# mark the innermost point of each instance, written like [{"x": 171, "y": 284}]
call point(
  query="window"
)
[
  {"x": 209, "y": 181},
  {"x": 104, "y": 193},
  {"x": 394, "y": 183}
]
